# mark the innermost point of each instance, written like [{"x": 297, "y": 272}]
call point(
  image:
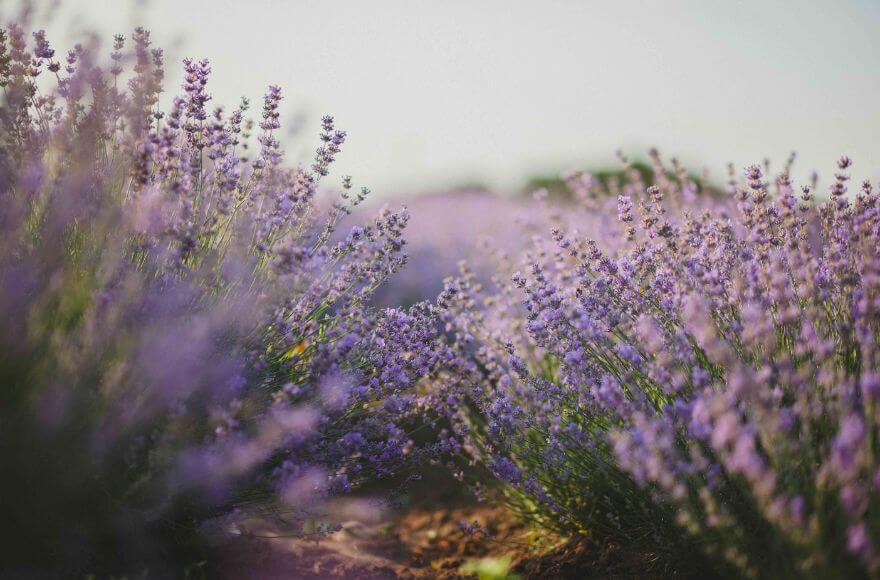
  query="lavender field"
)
[{"x": 222, "y": 359}]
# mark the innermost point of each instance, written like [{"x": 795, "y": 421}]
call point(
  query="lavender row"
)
[
  {"x": 187, "y": 339},
  {"x": 700, "y": 388}
]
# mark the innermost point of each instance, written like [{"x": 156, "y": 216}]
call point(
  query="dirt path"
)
[
  {"x": 422, "y": 543},
  {"x": 346, "y": 554},
  {"x": 425, "y": 539}
]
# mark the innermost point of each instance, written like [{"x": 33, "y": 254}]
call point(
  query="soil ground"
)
[{"x": 423, "y": 540}]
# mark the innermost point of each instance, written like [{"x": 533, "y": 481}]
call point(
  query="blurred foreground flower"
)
[{"x": 183, "y": 343}]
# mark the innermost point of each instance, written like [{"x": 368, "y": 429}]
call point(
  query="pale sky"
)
[{"x": 437, "y": 93}]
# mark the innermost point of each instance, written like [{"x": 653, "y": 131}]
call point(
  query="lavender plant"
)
[
  {"x": 186, "y": 340},
  {"x": 702, "y": 389}
]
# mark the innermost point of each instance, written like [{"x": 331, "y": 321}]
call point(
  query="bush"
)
[
  {"x": 706, "y": 384},
  {"x": 185, "y": 340}
]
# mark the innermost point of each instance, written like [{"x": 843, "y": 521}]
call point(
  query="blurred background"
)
[{"x": 456, "y": 93}]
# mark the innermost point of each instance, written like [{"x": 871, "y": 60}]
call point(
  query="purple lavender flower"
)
[
  {"x": 186, "y": 339},
  {"x": 710, "y": 366}
]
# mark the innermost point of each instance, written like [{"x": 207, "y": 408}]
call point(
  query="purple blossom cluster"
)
[
  {"x": 186, "y": 335},
  {"x": 701, "y": 386}
]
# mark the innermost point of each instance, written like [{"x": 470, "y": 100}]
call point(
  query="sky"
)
[{"x": 441, "y": 93}]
